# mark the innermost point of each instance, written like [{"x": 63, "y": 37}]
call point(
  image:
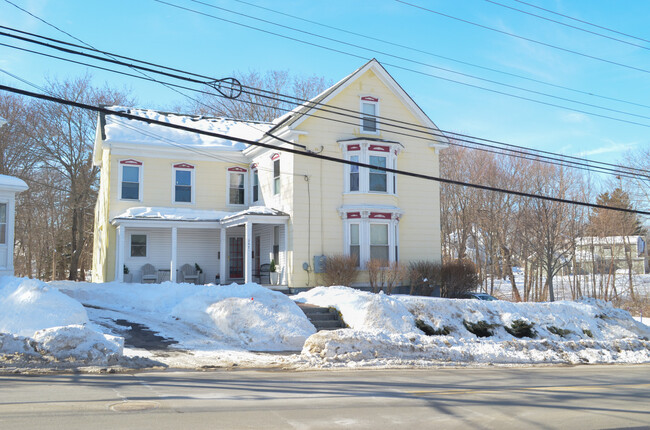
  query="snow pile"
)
[
  {"x": 590, "y": 331},
  {"x": 362, "y": 310},
  {"x": 183, "y": 214},
  {"x": 38, "y": 320},
  {"x": 244, "y": 316}
]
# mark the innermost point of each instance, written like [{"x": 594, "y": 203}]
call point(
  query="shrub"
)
[
  {"x": 430, "y": 331},
  {"x": 480, "y": 328},
  {"x": 587, "y": 332},
  {"x": 559, "y": 331},
  {"x": 340, "y": 270},
  {"x": 272, "y": 267},
  {"x": 457, "y": 278},
  {"x": 383, "y": 275},
  {"x": 521, "y": 328},
  {"x": 423, "y": 276}
]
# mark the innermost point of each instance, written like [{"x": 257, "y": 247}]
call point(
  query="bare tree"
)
[
  {"x": 64, "y": 136},
  {"x": 256, "y": 105}
]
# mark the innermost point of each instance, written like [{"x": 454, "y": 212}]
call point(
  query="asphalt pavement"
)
[{"x": 580, "y": 397}]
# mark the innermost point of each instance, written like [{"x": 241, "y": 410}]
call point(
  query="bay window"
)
[
  {"x": 368, "y": 179},
  {"x": 371, "y": 235}
]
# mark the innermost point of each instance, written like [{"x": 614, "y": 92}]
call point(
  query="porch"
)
[{"x": 227, "y": 249}]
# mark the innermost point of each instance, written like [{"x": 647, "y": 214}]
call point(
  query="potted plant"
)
[
  {"x": 127, "y": 274},
  {"x": 274, "y": 275},
  {"x": 199, "y": 272}
]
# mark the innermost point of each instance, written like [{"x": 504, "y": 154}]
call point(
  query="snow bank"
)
[
  {"x": 247, "y": 316},
  {"x": 384, "y": 330},
  {"x": 362, "y": 310},
  {"x": 38, "y": 320}
]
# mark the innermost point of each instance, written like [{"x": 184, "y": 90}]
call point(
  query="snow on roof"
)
[
  {"x": 172, "y": 214},
  {"x": 12, "y": 183},
  {"x": 185, "y": 214},
  {"x": 123, "y": 130},
  {"x": 608, "y": 240}
]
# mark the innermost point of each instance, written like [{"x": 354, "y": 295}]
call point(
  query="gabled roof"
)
[{"x": 300, "y": 113}]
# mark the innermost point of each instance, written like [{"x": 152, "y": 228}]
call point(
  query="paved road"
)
[{"x": 550, "y": 397}]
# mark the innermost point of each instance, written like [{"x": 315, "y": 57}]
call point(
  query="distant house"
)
[
  {"x": 170, "y": 198},
  {"x": 9, "y": 186},
  {"x": 603, "y": 254}
]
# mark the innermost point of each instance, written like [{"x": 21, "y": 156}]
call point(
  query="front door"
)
[{"x": 236, "y": 254}]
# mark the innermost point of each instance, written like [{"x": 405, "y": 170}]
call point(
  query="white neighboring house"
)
[
  {"x": 9, "y": 186},
  {"x": 612, "y": 252}
]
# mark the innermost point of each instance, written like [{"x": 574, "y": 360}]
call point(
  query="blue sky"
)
[{"x": 163, "y": 34}]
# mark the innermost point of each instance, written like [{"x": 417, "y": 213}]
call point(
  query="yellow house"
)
[{"x": 170, "y": 198}]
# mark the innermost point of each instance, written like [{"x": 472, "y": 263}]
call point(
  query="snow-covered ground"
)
[{"x": 62, "y": 325}]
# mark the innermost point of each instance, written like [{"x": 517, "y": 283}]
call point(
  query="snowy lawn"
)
[{"x": 63, "y": 325}]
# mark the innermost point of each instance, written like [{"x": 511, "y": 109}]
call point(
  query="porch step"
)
[{"x": 322, "y": 318}]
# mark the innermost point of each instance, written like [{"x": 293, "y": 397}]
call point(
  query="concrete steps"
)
[{"x": 322, "y": 318}]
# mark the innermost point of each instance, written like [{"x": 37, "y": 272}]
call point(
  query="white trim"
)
[
  {"x": 140, "y": 168},
  {"x": 173, "y": 263},
  {"x": 192, "y": 182},
  {"x": 237, "y": 205},
  {"x": 119, "y": 254}
]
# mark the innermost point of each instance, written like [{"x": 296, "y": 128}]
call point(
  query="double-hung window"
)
[
  {"x": 369, "y": 112},
  {"x": 130, "y": 180},
  {"x": 138, "y": 245},
  {"x": 256, "y": 186},
  {"x": 376, "y": 177},
  {"x": 183, "y": 183},
  {"x": 276, "y": 176},
  {"x": 237, "y": 186}
]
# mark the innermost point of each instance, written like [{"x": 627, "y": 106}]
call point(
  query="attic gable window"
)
[
  {"x": 369, "y": 112},
  {"x": 130, "y": 180},
  {"x": 183, "y": 183}
]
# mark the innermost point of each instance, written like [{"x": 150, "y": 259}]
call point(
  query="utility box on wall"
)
[
  {"x": 9, "y": 186},
  {"x": 319, "y": 263}
]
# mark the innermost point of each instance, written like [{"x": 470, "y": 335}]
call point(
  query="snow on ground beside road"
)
[
  {"x": 596, "y": 332},
  {"x": 208, "y": 326}
]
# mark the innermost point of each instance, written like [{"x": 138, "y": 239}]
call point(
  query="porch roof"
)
[{"x": 174, "y": 216}]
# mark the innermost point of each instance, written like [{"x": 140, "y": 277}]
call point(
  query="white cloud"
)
[
  {"x": 609, "y": 147},
  {"x": 575, "y": 117}
]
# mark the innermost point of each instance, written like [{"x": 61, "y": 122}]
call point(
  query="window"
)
[
  {"x": 276, "y": 176},
  {"x": 130, "y": 180},
  {"x": 371, "y": 235},
  {"x": 370, "y": 180},
  {"x": 355, "y": 248},
  {"x": 377, "y": 178},
  {"x": 183, "y": 183},
  {"x": 138, "y": 245},
  {"x": 3, "y": 223},
  {"x": 379, "y": 242},
  {"x": 237, "y": 190},
  {"x": 276, "y": 244},
  {"x": 354, "y": 174},
  {"x": 369, "y": 109},
  {"x": 256, "y": 186}
]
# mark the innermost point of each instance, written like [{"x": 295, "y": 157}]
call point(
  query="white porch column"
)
[
  {"x": 248, "y": 247},
  {"x": 119, "y": 254},
  {"x": 285, "y": 265},
  {"x": 222, "y": 260},
  {"x": 172, "y": 267}
]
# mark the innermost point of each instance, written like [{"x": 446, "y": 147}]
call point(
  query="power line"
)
[
  {"x": 584, "y": 22},
  {"x": 430, "y": 132},
  {"x": 312, "y": 154},
  {"x": 399, "y": 57},
  {"x": 455, "y": 60},
  {"x": 548, "y": 45},
  {"x": 567, "y": 25}
]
